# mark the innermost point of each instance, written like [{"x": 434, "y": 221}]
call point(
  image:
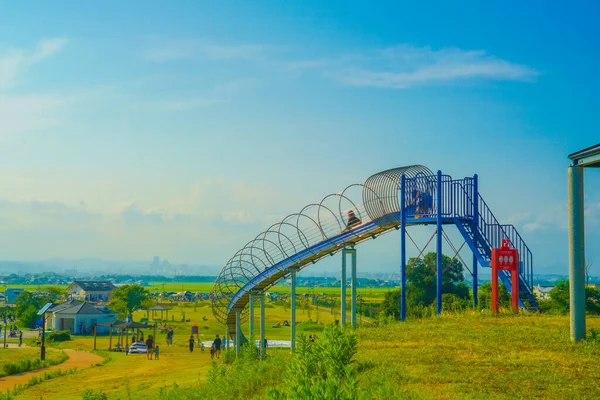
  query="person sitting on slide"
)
[{"x": 353, "y": 221}]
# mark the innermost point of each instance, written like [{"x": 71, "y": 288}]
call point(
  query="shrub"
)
[
  {"x": 323, "y": 369},
  {"x": 228, "y": 356},
  {"x": 30, "y": 364},
  {"x": 90, "y": 394},
  {"x": 59, "y": 336},
  {"x": 28, "y": 316}
]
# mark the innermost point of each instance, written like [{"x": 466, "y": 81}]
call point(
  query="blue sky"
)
[{"x": 128, "y": 131}]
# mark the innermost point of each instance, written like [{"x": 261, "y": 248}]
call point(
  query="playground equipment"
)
[
  {"x": 586, "y": 158},
  {"x": 389, "y": 200}
]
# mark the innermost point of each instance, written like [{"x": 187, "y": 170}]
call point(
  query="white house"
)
[
  {"x": 94, "y": 291},
  {"x": 79, "y": 317},
  {"x": 542, "y": 292}
]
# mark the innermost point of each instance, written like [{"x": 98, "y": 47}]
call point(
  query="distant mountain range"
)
[{"x": 95, "y": 266}]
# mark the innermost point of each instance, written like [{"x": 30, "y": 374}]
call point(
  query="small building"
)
[
  {"x": 79, "y": 317},
  {"x": 94, "y": 291},
  {"x": 542, "y": 292},
  {"x": 11, "y": 295}
]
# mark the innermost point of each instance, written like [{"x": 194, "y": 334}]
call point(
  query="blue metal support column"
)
[
  {"x": 439, "y": 244},
  {"x": 475, "y": 229},
  {"x": 353, "y": 289},
  {"x": 576, "y": 253},
  {"x": 226, "y": 338},
  {"x": 403, "y": 246},
  {"x": 343, "y": 289},
  {"x": 251, "y": 316},
  {"x": 238, "y": 331},
  {"x": 262, "y": 325},
  {"x": 293, "y": 309}
]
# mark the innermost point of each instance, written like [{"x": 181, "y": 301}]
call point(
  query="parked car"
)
[{"x": 138, "y": 348}]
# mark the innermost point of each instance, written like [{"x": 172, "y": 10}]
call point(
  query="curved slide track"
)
[{"x": 389, "y": 200}]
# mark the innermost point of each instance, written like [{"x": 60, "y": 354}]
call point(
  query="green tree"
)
[
  {"x": 421, "y": 276},
  {"x": 391, "y": 303},
  {"x": 421, "y": 287},
  {"x": 27, "y": 305},
  {"x": 128, "y": 298},
  {"x": 484, "y": 296},
  {"x": 57, "y": 292},
  {"x": 26, "y": 299},
  {"x": 29, "y": 316},
  {"x": 559, "y": 301}
]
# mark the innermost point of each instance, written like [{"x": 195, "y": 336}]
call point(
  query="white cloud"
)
[
  {"x": 15, "y": 61},
  {"x": 178, "y": 49},
  {"x": 217, "y": 95},
  {"x": 554, "y": 218},
  {"x": 20, "y": 114},
  {"x": 405, "y": 66}
]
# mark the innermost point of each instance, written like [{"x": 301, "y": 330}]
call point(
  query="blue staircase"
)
[{"x": 482, "y": 231}]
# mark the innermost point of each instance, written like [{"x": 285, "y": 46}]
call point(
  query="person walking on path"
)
[
  {"x": 217, "y": 344},
  {"x": 149, "y": 347},
  {"x": 156, "y": 352},
  {"x": 20, "y": 338},
  {"x": 170, "y": 336},
  {"x": 191, "y": 341},
  {"x": 212, "y": 351}
]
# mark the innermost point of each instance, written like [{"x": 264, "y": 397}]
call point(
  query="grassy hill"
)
[
  {"x": 455, "y": 356},
  {"x": 451, "y": 357}
]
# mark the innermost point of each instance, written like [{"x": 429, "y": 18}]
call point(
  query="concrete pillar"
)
[
  {"x": 251, "y": 317},
  {"x": 576, "y": 253},
  {"x": 238, "y": 331},
  {"x": 262, "y": 325},
  {"x": 353, "y": 289},
  {"x": 227, "y": 338},
  {"x": 293, "y": 310},
  {"x": 343, "y": 290}
]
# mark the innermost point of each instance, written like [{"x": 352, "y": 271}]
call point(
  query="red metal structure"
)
[{"x": 505, "y": 258}]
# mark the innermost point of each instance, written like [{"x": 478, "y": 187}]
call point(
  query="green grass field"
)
[
  {"x": 13, "y": 354},
  {"x": 453, "y": 357},
  {"x": 206, "y": 287}
]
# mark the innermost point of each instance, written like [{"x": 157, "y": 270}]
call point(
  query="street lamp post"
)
[{"x": 42, "y": 312}]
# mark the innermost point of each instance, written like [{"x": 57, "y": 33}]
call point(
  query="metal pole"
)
[
  {"x": 403, "y": 247},
  {"x": 251, "y": 316},
  {"x": 227, "y": 338},
  {"x": 43, "y": 349},
  {"x": 154, "y": 337},
  {"x": 439, "y": 244},
  {"x": 343, "y": 289},
  {"x": 238, "y": 331},
  {"x": 353, "y": 290},
  {"x": 262, "y": 326},
  {"x": 293, "y": 310},
  {"x": 494, "y": 265},
  {"x": 475, "y": 230},
  {"x": 576, "y": 253}
]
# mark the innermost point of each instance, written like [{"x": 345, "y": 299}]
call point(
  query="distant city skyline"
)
[{"x": 185, "y": 131}]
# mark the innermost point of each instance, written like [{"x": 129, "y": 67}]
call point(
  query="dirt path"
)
[{"x": 79, "y": 359}]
